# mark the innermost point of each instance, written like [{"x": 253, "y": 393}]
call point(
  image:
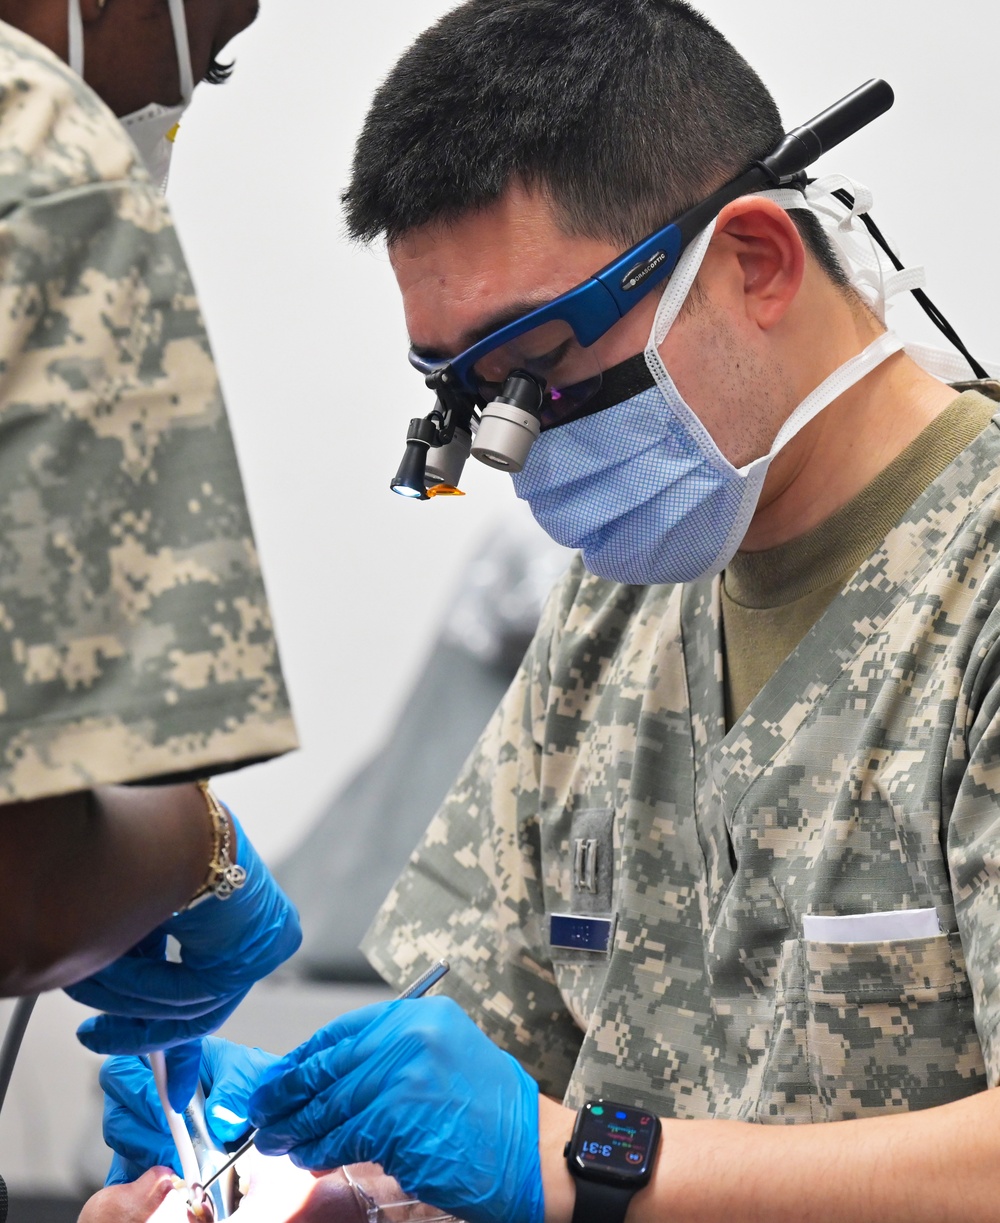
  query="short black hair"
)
[{"x": 624, "y": 111}]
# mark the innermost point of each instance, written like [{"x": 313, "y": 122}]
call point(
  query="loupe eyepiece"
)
[
  {"x": 446, "y": 463},
  {"x": 511, "y": 423},
  {"x": 409, "y": 480}
]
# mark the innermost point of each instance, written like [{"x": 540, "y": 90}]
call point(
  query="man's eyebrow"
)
[{"x": 509, "y": 314}]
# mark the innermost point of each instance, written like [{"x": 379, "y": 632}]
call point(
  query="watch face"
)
[{"x": 614, "y": 1143}]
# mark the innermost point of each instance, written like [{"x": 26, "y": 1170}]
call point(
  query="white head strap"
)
[{"x": 867, "y": 266}]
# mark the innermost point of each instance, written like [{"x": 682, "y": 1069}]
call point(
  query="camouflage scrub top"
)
[
  {"x": 863, "y": 778},
  {"x": 135, "y": 637}
]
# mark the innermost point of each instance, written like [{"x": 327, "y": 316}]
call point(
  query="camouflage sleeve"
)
[
  {"x": 472, "y": 892},
  {"x": 135, "y": 640},
  {"x": 973, "y": 837}
]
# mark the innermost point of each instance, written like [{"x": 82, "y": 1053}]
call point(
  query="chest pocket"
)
[{"x": 863, "y": 1029}]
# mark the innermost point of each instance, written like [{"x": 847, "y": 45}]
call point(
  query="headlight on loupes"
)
[{"x": 439, "y": 445}]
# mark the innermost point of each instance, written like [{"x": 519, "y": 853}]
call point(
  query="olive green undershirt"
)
[{"x": 771, "y": 599}]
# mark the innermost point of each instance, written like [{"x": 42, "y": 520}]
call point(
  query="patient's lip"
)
[{"x": 163, "y": 1182}]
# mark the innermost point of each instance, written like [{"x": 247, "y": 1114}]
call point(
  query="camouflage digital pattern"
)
[
  {"x": 864, "y": 777},
  {"x": 135, "y": 638}
]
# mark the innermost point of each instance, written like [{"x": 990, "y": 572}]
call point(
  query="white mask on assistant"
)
[{"x": 154, "y": 127}]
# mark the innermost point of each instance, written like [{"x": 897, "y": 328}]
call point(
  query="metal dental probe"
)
[{"x": 418, "y": 988}]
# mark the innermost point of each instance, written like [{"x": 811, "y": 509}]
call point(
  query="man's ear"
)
[{"x": 763, "y": 257}]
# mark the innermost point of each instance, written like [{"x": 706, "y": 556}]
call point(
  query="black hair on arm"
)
[{"x": 623, "y": 111}]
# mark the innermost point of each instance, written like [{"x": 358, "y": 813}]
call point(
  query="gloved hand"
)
[
  {"x": 225, "y": 945},
  {"x": 134, "y": 1125},
  {"x": 414, "y": 1086}
]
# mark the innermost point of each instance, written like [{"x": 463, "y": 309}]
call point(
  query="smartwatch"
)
[{"x": 610, "y": 1156}]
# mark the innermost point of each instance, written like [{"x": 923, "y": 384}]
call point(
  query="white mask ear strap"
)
[
  {"x": 179, "y": 22},
  {"x": 834, "y": 385},
  {"x": 76, "y": 37},
  {"x": 672, "y": 299}
]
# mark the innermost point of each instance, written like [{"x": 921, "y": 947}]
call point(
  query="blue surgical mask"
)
[{"x": 640, "y": 487}]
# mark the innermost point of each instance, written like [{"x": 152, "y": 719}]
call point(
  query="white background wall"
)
[
  {"x": 309, "y": 335},
  {"x": 310, "y": 341}
]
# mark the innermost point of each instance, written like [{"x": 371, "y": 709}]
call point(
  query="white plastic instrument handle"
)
[{"x": 178, "y": 1130}]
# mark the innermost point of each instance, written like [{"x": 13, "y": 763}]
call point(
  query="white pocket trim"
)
[{"x": 871, "y": 927}]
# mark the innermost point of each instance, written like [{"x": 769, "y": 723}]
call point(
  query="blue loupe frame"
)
[
  {"x": 593, "y": 307},
  {"x": 590, "y": 308}
]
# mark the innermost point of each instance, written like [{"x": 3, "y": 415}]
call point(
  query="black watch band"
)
[
  {"x": 610, "y": 1157},
  {"x": 601, "y": 1203}
]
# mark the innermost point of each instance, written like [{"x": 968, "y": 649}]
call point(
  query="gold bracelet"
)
[{"x": 224, "y": 875}]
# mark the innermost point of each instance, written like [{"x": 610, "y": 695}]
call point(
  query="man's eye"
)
[
  {"x": 550, "y": 360},
  {"x": 218, "y": 73}
]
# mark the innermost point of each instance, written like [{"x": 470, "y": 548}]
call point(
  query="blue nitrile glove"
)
[
  {"x": 414, "y": 1086},
  {"x": 225, "y": 945},
  {"x": 134, "y": 1125}
]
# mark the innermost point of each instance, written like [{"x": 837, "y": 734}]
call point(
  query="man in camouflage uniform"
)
[
  {"x": 135, "y": 637},
  {"x": 774, "y": 788}
]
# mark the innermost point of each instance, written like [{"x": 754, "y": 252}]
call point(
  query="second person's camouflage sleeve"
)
[{"x": 135, "y": 636}]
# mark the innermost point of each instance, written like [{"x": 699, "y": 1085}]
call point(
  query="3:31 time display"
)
[{"x": 597, "y": 1148}]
